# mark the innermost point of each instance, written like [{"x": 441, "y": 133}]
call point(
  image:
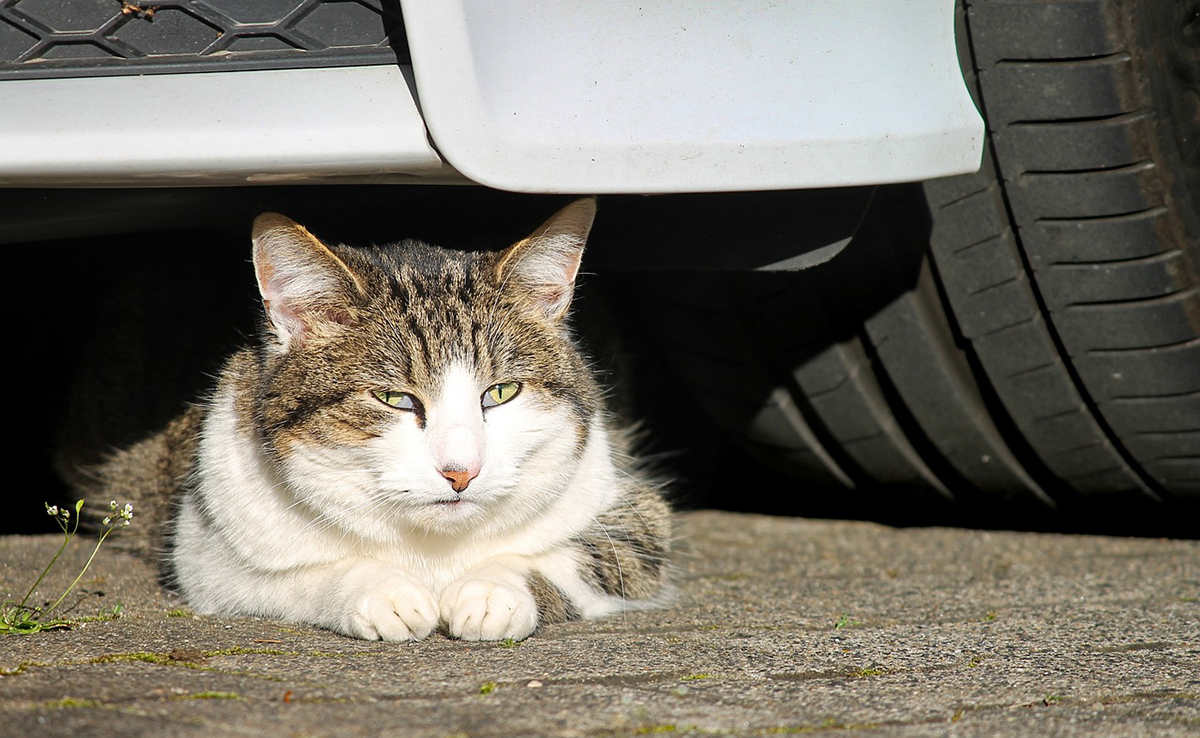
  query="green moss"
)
[
  {"x": 343, "y": 654},
  {"x": 146, "y": 656},
  {"x": 671, "y": 728},
  {"x": 180, "y": 612},
  {"x": 866, "y": 672},
  {"x": 210, "y": 696},
  {"x": 488, "y": 687},
  {"x": 242, "y": 650},
  {"x": 829, "y": 724},
  {"x": 69, "y": 702},
  {"x": 695, "y": 677},
  {"x": 20, "y": 668},
  {"x": 112, "y": 613}
]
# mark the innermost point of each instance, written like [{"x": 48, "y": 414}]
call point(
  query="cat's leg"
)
[
  {"x": 357, "y": 597},
  {"x": 381, "y": 602},
  {"x": 362, "y": 598},
  {"x": 510, "y": 596},
  {"x": 617, "y": 564},
  {"x": 491, "y": 603}
]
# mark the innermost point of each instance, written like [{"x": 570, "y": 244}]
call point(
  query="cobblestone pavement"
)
[{"x": 781, "y": 626}]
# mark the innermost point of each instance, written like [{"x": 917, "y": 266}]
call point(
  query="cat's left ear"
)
[{"x": 544, "y": 265}]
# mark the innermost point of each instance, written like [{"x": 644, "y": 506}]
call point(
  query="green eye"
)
[
  {"x": 398, "y": 400},
  {"x": 498, "y": 394}
]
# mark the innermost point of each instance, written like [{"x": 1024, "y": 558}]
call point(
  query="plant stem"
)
[
  {"x": 66, "y": 539},
  {"x": 81, "y": 572}
]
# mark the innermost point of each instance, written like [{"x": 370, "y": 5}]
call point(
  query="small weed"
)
[
  {"x": 22, "y": 618},
  {"x": 488, "y": 687},
  {"x": 866, "y": 672},
  {"x": 180, "y": 612},
  {"x": 695, "y": 677},
  {"x": 843, "y": 622},
  {"x": 509, "y": 643},
  {"x": 975, "y": 661},
  {"x": 988, "y": 617},
  {"x": 1189, "y": 599},
  {"x": 1052, "y": 699}
]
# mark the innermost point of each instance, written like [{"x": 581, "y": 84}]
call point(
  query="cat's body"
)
[{"x": 415, "y": 441}]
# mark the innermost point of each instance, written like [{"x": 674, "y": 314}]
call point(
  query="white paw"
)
[
  {"x": 480, "y": 608},
  {"x": 395, "y": 607}
]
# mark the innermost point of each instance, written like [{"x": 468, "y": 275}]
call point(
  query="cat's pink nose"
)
[{"x": 458, "y": 479}]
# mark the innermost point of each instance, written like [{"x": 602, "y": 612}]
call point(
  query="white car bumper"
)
[{"x": 539, "y": 96}]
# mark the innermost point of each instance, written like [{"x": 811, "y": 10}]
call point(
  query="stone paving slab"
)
[{"x": 782, "y": 626}]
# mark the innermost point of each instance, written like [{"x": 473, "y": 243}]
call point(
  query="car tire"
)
[{"x": 1020, "y": 345}]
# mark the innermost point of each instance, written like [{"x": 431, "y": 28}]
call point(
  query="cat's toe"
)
[
  {"x": 399, "y": 609},
  {"x": 485, "y": 610}
]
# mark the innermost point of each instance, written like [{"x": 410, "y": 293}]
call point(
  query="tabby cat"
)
[{"x": 413, "y": 442}]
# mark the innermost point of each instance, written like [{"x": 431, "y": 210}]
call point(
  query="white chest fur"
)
[{"x": 247, "y": 519}]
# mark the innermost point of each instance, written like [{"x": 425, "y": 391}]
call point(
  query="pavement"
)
[{"x": 781, "y": 626}]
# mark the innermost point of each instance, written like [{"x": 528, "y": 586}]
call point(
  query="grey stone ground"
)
[{"x": 781, "y": 626}]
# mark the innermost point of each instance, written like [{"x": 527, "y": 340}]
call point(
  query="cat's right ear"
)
[{"x": 306, "y": 289}]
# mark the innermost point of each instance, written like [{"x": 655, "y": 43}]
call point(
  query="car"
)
[{"x": 917, "y": 316}]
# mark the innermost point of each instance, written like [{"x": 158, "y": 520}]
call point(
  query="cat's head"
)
[{"x": 411, "y": 386}]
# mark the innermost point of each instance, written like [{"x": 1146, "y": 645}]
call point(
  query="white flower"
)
[
  {"x": 106, "y": 521},
  {"x": 52, "y": 510}
]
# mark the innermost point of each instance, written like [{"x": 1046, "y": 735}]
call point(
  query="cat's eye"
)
[
  {"x": 498, "y": 394},
  {"x": 398, "y": 400}
]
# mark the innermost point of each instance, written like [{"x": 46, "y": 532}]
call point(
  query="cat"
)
[{"x": 413, "y": 443}]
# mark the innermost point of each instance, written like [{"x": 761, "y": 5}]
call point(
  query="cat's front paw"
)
[
  {"x": 393, "y": 607},
  {"x": 489, "y": 608}
]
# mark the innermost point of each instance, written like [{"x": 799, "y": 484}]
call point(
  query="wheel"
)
[{"x": 1019, "y": 345}]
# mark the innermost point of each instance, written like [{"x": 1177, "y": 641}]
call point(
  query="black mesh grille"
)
[{"x": 74, "y": 38}]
